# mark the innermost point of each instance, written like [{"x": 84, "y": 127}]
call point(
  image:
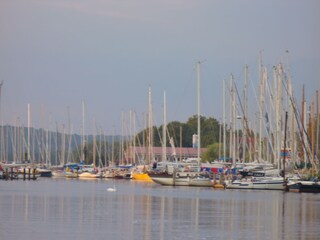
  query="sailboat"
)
[
  {"x": 89, "y": 174},
  {"x": 313, "y": 185},
  {"x": 262, "y": 183},
  {"x": 141, "y": 172},
  {"x": 186, "y": 178}
]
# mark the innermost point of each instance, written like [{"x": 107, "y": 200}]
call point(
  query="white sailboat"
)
[
  {"x": 90, "y": 174},
  {"x": 182, "y": 178}
]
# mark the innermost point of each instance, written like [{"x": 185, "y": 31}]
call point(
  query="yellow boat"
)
[
  {"x": 141, "y": 176},
  {"x": 218, "y": 185},
  {"x": 140, "y": 173}
]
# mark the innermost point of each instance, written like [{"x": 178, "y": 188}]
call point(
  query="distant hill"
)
[{"x": 13, "y": 144}]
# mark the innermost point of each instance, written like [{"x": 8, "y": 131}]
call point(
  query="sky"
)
[{"x": 56, "y": 54}]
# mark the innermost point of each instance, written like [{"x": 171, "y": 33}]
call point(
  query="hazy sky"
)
[{"x": 56, "y": 53}]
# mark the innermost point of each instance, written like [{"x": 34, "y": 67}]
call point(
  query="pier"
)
[{"x": 18, "y": 171}]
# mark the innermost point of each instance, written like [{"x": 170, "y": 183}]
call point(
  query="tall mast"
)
[
  {"x": 131, "y": 137},
  {"x": 94, "y": 144},
  {"x": 312, "y": 137},
  {"x": 233, "y": 125},
  {"x": 220, "y": 136},
  {"x": 198, "y": 131},
  {"x": 275, "y": 104},
  {"x": 112, "y": 148},
  {"x": 56, "y": 145},
  {"x": 134, "y": 137},
  {"x": 28, "y": 133},
  {"x": 292, "y": 128},
  {"x": 244, "y": 118},
  {"x": 122, "y": 133},
  {"x": 279, "y": 105},
  {"x": 231, "y": 119},
  {"x": 1, "y": 132},
  {"x": 261, "y": 80},
  {"x": 83, "y": 136},
  {"x": 180, "y": 143},
  {"x": 70, "y": 138},
  {"x": 100, "y": 148},
  {"x": 164, "y": 129},
  {"x": 317, "y": 124},
  {"x": 150, "y": 138},
  {"x": 63, "y": 143},
  {"x": 224, "y": 120}
]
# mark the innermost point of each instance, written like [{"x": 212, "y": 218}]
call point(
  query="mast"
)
[
  {"x": 121, "y": 160},
  {"x": 224, "y": 120},
  {"x": 28, "y": 157},
  {"x": 284, "y": 146},
  {"x": 317, "y": 124},
  {"x": 112, "y": 147},
  {"x": 134, "y": 137},
  {"x": 199, "y": 142},
  {"x": 234, "y": 155},
  {"x": 232, "y": 122},
  {"x": 279, "y": 105},
  {"x": 305, "y": 140},
  {"x": 94, "y": 144},
  {"x": 1, "y": 132},
  {"x": 293, "y": 126},
  {"x": 180, "y": 143},
  {"x": 164, "y": 129},
  {"x": 244, "y": 118},
  {"x": 150, "y": 138},
  {"x": 220, "y": 136},
  {"x": 56, "y": 145},
  {"x": 63, "y": 150},
  {"x": 83, "y": 136},
  {"x": 100, "y": 149},
  {"x": 312, "y": 137},
  {"x": 261, "y": 80},
  {"x": 105, "y": 149},
  {"x": 231, "y": 119},
  {"x": 70, "y": 137}
]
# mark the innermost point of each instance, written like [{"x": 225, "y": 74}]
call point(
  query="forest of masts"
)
[
  {"x": 262, "y": 140},
  {"x": 245, "y": 136}
]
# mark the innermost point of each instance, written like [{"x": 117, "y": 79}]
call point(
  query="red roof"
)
[{"x": 158, "y": 151}]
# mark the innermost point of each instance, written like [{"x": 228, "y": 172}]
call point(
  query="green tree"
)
[
  {"x": 212, "y": 152},
  {"x": 209, "y": 132}
]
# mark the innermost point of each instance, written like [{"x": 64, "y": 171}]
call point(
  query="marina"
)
[{"x": 159, "y": 120}]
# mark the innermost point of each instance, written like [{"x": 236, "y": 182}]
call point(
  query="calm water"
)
[{"x": 84, "y": 209}]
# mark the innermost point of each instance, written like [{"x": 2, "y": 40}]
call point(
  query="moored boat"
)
[
  {"x": 44, "y": 172},
  {"x": 88, "y": 175},
  {"x": 194, "y": 179},
  {"x": 140, "y": 173},
  {"x": 141, "y": 176},
  {"x": 304, "y": 186},
  {"x": 260, "y": 183}
]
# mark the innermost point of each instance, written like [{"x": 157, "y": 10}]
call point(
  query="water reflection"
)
[{"x": 84, "y": 209}]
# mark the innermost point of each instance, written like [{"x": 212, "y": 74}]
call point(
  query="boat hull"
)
[
  {"x": 169, "y": 181},
  {"x": 44, "y": 172},
  {"x": 87, "y": 175},
  {"x": 260, "y": 184},
  {"x": 192, "y": 180},
  {"x": 304, "y": 187}
]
